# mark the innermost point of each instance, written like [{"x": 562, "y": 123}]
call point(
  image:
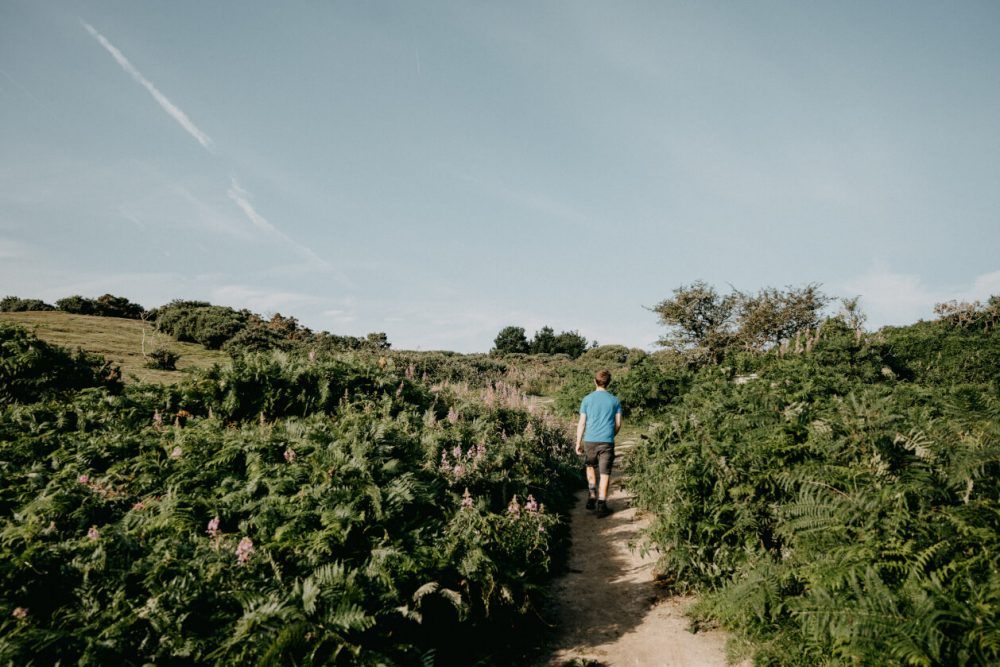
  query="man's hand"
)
[{"x": 581, "y": 426}]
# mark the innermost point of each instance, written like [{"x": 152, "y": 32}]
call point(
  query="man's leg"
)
[
  {"x": 606, "y": 460},
  {"x": 591, "y": 487},
  {"x": 602, "y": 491}
]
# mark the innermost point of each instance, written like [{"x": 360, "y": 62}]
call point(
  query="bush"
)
[
  {"x": 106, "y": 305},
  {"x": 31, "y": 369},
  {"x": 163, "y": 359},
  {"x": 200, "y": 322},
  {"x": 13, "y": 304}
]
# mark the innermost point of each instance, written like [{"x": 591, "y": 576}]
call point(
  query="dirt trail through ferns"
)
[{"x": 608, "y": 609}]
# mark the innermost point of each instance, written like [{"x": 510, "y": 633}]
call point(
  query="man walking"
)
[{"x": 600, "y": 421}]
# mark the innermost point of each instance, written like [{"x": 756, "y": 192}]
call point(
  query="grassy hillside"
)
[{"x": 118, "y": 340}]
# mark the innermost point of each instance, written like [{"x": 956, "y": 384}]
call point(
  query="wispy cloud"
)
[
  {"x": 172, "y": 109},
  {"x": 241, "y": 198}
]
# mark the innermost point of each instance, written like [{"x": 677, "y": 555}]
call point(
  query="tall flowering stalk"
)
[{"x": 244, "y": 550}]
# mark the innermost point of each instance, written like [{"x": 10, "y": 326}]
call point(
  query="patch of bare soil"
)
[{"x": 610, "y": 611}]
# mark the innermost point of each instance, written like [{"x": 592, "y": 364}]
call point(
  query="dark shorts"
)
[{"x": 600, "y": 455}]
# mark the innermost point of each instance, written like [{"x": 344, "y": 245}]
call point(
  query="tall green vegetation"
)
[
  {"x": 107, "y": 305},
  {"x": 13, "y": 304},
  {"x": 705, "y": 325},
  {"x": 513, "y": 340},
  {"x": 285, "y": 510},
  {"x": 838, "y": 502}
]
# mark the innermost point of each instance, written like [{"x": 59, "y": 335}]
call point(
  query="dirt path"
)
[{"x": 610, "y": 612}]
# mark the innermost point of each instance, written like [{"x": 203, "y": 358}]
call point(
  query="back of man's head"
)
[{"x": 602, "y": 378}]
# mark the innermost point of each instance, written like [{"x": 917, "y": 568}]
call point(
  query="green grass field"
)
[{"x": 118, "y": 340}]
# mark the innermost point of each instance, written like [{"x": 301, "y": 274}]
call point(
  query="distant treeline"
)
[
  {"x": 513, "y": 340},
  {"x": 215, "y": 327}
]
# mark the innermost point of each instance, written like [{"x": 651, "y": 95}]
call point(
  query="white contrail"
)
[
  {"x": 172, "y": 110},
  {"x": 239, "y": 197}
]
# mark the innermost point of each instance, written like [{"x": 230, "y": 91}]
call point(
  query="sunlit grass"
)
[{"x": 119, "y": 340}]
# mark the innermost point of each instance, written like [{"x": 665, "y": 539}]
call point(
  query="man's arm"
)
[
  {"x": 618, "y": 422},
  {"x": 581, "y": 427}
]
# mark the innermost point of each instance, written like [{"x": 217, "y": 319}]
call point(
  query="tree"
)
[
  {"x": 510, "y": 340},
  {"x": 544, "y": 341},
  {"x": 700, "y": 320},
  {"x": 76, "y": 304},
  {"x": 571, "y": 343},
  {"x": 109, "y": 305},
  {"x": 377, "y": 340},
  {"x": 771, "y": 316}
]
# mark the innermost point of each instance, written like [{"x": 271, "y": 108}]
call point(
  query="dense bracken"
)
[
  {"x": 285, "y": 510},
  {"x": 837, "y": 499}
]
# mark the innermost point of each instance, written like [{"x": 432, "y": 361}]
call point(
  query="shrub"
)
[
  {"x": 200, "y": 322},
  {"x": 13, "y": 304},
  {"x": 163, "y": 359},
  {"x": 31, "y": 369},
  {"x": 106, "y": 305}
]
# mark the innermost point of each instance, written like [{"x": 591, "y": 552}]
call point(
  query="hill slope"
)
[{"x": 118, "y": 340}]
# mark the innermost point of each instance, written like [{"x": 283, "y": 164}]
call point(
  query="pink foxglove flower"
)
[
  {"x": 514, "y": 508},
  {"x": 83, "y": 479},
  {"x": 467, "y": 500},
  {"x": 244, "y": 550},
  {"x": 290, "y": 455},
  {"x": 531, "y": 505},
  {"x": 213, "y": 527},
  {"x": 20, "y": 613},
  {"x": 453, "y": 415},
  {"x": 93, "y": 533}
]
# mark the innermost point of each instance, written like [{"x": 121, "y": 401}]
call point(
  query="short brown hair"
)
[{"x": 602, "y": 378}]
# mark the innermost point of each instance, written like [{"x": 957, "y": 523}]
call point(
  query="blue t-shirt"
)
[{"x": 600, "y": 408}]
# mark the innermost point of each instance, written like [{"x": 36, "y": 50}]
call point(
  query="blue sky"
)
[{"x": 439, "y": 170}]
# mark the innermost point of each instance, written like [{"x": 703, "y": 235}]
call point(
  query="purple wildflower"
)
[
  {"x": 83, "y": 479},
  {"x": 213, "y": 527},
  {"x": 244, "y": 550},
  {"x": 514, "y": 508},
  {"x": 457, "y": 452},
  {"x": 458, "y": 470},
  {"x": 467, "y": 500},
  {"x": 453, "y": 415},
  {"x": 290, "y": 455},
  {"x": 531, "y": 505}
]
